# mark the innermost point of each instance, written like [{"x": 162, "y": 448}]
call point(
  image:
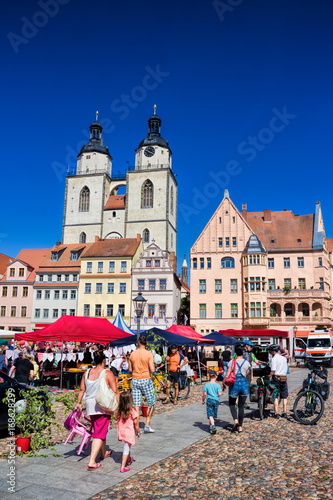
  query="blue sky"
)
[{"x": 223, "y": 74}]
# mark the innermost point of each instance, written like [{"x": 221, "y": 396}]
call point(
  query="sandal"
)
[
  {"x": 94, "y": 467},
  {"x": 166, "y": 401},
  {"x": 124, "y": 469},
  {"x": 107, "y": 454},
  {"x": 235, "y": 427}
]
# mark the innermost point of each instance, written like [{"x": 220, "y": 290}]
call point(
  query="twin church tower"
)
[{"x": 94, "y": 206}]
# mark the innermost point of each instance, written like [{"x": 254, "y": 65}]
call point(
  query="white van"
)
[{"x": 319, "y": 347}]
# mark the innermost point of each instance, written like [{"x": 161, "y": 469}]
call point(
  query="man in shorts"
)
[
  {"x": 141, "y": 364},
  {"x": 279, "y": 368}
]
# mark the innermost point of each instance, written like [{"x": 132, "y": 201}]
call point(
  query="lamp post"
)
[{"x": 139, "y": 305}]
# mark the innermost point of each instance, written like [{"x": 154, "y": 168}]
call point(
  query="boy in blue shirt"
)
[{"x": 210, "y": 395}]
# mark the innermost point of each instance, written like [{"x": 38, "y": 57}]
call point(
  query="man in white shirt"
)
[{"x": 279, "y": 368}]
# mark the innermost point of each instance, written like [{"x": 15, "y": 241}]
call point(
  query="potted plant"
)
[{"x": 286, "y": 288}]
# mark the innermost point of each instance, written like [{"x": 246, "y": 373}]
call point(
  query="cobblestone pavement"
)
[{"x": 272, "y": 459}]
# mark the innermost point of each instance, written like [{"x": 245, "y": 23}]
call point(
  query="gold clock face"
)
[{"x": 149, "y": 151}]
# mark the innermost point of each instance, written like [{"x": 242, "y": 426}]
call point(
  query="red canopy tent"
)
[
  {"x": 76, "y": 329},
  {"x": 187, "y": 331},
  {"x": 255, "y": 333}
]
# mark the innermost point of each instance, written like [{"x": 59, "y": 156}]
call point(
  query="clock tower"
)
[{"x": 151, "y": 201}]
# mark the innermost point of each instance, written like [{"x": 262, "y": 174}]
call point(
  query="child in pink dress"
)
[{"x": 127, "y": 427}]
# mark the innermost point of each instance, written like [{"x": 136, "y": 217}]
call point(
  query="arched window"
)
[
  {"x": 171, "y": 200},
  {"x": 145, "y": 235},
  {"x": 147, "y": 194},
  {"x": 84, "y": 199},
  {"x": 227, "y": 262},
  {"x": 83, "y": 238}
]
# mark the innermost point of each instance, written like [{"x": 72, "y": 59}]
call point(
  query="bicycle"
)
[
  {"x": 262, "y": 392},
  {"x": 160, "y": 384},
  {"x": 309, "y": 403}
]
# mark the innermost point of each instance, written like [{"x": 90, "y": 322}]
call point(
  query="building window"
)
[
  {"x": 145, "y": 235},
  {"x": 58, "y": 277},
  {"x": 157, "y": 263},
  {"x": 254, "y": 259},
  {"x": 56, "y": 294},
  {"x": 72, "y": 312},
  {"x": 3, "y": 311},
  {"x": 55, "y": 313},
  {"x": 49, "y": 277},
  {"x": 37, "y": 313},
  {"x": 227, "y": 242},
  {"x": 171, "y": 200},
  {"x": 14, "y": 291},
  {"x": 271, "y": 263},
  {"x": 122, "y": 287},
  {"x": 74, "y": 255},
  {"x": 98, "y": 309},
  {"x": 286, "y": 262},
  {"x": 54, "y": 255},
  {"x": 301, "y": 283},
  {"x": 4, "y": 291},
  {"x": 234, "y": 310},
  {"x": 218, "y": 286},
  {"x": 202, "y": 263},
  {"x": 73, "y": 294},
  {"x": 47, "y": 294},
  {"x": 227, "y": 262},
  {"x": 209, "y": 263},
  {"x": 121, "y": 309},
  {"x": 74, "y": 277},
  {"x": 13, "y": 311},
  {"x": 21, "y": 271},
  {"x": 233, "y": 286},
  {"x": 63, "y": 312},
  {"x": 86, "y": 310},
  {"x": 271, "y": 284},
  {"x": 218, "y": 310},
  {"x": 151, "y": 310},
  {"x": 147, "y": 194},
  {"x": 41, "y": 277},
  {"x": 109, "y": 310},
  {"x": 89, "y": 267},
  {"x": 110, "y": 288},
  {"x": 148, "y": 263},
  {"x": 66, "y": 277},
  {"x": 25, "y": 291},
  {"x": 45, "y": 313},
  {"x": 320, "y": 261},
  {"x": 83, "y": 239},
  {"x": 65, "y": 294},
  {"x": 321, "y": 283},
  {"x": 123, "y": 266},
  {"x": 287, "y": 283},
  {"x": 99, "y": 287},
  {"x": 300, "y": 261},
  {"x": 100, "y": 267},
  {"x": 114, "y": 214},
  {"x": 234, "y": 241},
  {"x": 202, "y": 310},
  {"x": 84, "y": 200},
  {"x": 220, "y": 242},
  {"x": 38, "y": 294},
  {"x": 12, "y": 272},
  {"x": 111, "y": 266},
  {"x": 163, "y": 284},
  {"x": 152, "y": 284},
  {"x": 162, "y": 310},
  {"x": 141, "y": 284},
  {"x": 195, "y": 263},
  {"x": 202, "y": 286}
]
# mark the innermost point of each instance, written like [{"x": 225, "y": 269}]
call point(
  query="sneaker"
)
[
  {"x": 284, "y": 415},
  {"x": 213, "y": 431},
  {"x": 147, "y": 428},
  {"x": 247, "y": 407},
  {"x": 275, "y": 415}
]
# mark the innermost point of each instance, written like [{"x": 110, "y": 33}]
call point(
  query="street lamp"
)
[{"x": 139, "y": 305}]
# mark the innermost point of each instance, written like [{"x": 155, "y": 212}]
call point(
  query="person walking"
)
[
  {"x": 279, "y": 369},
  {"x": 176, "y": 362},
  {"x": 210, "y": 395},
  {"x": 240, "y": 388},
  {"x": 127, "y": 427},
  {"x": 226, "y": 356},
  {"x": 251, "y": 358},
  {"x": 24, "y": 369},
  {"x": 141, "y": 364},
  {"x": 100, "y": 419}
]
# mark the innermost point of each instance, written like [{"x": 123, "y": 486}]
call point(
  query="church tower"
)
[
  {"x": 87, "y": 190},
  {"x": 151, "y": 199}
]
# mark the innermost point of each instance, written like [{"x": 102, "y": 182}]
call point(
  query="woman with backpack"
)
[{"x": 240, "y": 389}]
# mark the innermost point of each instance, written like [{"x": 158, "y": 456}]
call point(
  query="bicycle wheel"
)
[
  {"x": 261, "y": 406},
  {"x": 308, "y": 407}
]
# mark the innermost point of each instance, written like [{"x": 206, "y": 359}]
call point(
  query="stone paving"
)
[{"x": 273, "y": 459}]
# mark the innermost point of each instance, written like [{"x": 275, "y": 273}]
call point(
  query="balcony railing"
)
[
  {"x": 301, "y": 319},
  {"x": 256, "y": 321},
  {"x": 298, "y": 293}
]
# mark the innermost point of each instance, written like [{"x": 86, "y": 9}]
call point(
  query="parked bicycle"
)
[
  {"x": 309, "y": 403},
  {"x": 263, "y": 392},
  {"x": 160, "y": 384}
]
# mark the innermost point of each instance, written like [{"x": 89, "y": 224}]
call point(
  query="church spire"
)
[{"x": 154, "y": 125}]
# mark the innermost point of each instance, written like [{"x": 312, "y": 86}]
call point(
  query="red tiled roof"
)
[
  {"x": 115, "y": 201},
  {"x": 285, "y": 228},
  {"x": 4, "y": 261},
  {"x": 116, "y": 247},
  {"x": 64, "y": 262},
  {"x": 329, "y": 243},
  {"x": 31, "y": 257},
  {"x": 185, "y": 285}
]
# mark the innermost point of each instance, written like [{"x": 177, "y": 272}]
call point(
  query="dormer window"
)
[
  {"x": 55, "y": 256},
  {"x": 12, "y": 272},
  {"x": 74, "y": 255}
]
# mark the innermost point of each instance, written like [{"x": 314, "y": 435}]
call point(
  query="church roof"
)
[
  {"x": 115, "y": 201},
  {"x": 95, "y": 143},
  {"x": 64, "y": 261},
  {"x": 154, "y": 133}
]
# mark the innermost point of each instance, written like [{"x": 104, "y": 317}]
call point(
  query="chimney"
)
[
  {"x": 97, "y": 238},
  {"x": 138, "y": 237},
  {"x": 244, "y": 208},
  {"x": 57, "y": 243},
  {"x": 267, "y": 215}
]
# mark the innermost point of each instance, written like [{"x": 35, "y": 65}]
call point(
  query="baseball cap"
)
[
  {"x": 248, "y": 342},
  {"x": 173, "y": 346}
]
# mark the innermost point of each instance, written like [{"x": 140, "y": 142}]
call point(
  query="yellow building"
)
[{"x": 105, "y": 279}]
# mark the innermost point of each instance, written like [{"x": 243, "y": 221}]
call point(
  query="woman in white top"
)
[
  {"x": 100, "y": 419},
  {"x": 240, "y": 389}
]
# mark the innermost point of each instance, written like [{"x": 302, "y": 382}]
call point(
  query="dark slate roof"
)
[{"x": 254, "y": 245}]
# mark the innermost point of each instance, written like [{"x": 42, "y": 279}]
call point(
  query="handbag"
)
[
  {"x": 231, "y": 379},
  {"x": 105, "y": 397}
]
